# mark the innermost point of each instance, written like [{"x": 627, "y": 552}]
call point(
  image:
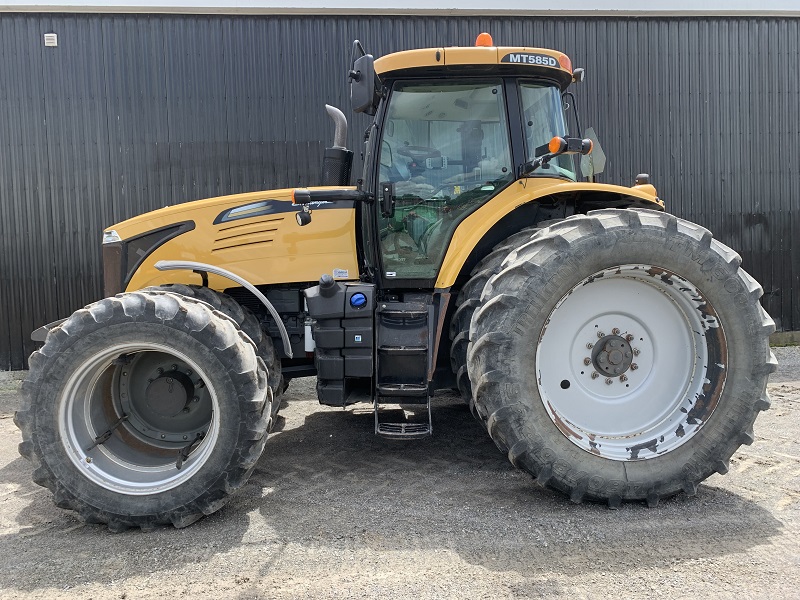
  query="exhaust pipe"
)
[
  {"x": 337, "y": 162},
  {"x": 340, "y": 135}
]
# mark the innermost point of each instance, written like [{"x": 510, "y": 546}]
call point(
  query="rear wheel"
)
[
  {"x": 144, "y": 409},
  {"x": 621, "y": 355},
  {"x": 469, "y": 299}
]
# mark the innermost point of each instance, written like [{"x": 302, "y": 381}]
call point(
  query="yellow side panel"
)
[
  {"x": 473, "y": 228},
  {"x": 263, "y": 249}
]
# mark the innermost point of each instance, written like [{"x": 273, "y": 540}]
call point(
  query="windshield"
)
[
  {"x": 445, "y": 148},
  {"x": 544, "y": 120}
]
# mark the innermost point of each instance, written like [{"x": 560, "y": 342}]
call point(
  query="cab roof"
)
[{"x": 477, "y": 60}]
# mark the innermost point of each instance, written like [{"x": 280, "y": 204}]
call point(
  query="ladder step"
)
[
  {"x": 403, "y": 310},
  {"x": 406, "y": 431},
  {"x": 403, "y": 389},
  {"x": 403, "y": 349},
  {"x": 403, "y": 314}
]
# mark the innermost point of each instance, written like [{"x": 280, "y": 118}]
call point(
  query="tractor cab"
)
[
  {"x": 454, "y": 128},
  {"x": 454, "y": 132}
]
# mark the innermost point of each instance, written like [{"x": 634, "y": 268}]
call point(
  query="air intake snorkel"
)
[{"x": 338, "y": 160}]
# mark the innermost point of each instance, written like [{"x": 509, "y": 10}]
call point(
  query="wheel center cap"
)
[{"x": 612, "y": 355}]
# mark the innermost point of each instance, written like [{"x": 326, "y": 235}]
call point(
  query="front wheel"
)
[
  {"x": 144, "y": 409},
  {"x": 621, "y": 355}
]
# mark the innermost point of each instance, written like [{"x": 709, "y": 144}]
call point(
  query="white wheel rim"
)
[
  {"x": 126, "y": 463},
  {"x": 664, "y": 390}
]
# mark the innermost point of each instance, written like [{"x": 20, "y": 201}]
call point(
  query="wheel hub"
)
[
  {"x": 612, "y": 355},
  {"x": 165, "y": 401},
  {"x": 167, "y": 395}
]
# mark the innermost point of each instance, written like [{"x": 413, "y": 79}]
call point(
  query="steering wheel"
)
[{"x": 418, "y": 153}]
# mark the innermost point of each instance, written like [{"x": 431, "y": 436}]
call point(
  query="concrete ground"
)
[{"x": 334, "y": 512}]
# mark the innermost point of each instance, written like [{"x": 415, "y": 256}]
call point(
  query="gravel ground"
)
[{"x": 333, "y": 511}]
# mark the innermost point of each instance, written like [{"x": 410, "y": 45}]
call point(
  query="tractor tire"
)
[
  {"x": 248, "y": 323},
  {"x": 469, "y": 299},
  {"x": 144, "y": 409},
  {"x": 621, "y": 355}
]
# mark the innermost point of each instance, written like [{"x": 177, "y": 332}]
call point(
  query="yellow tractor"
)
[{"x": 611, "y": 350}]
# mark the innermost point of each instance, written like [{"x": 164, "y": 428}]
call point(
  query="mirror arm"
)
[
  {"x": 574, "y": 109},
  {"x": 565, "y": 146}
]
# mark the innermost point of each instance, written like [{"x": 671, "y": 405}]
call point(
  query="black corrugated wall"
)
[{"x": 132, "y": 112}]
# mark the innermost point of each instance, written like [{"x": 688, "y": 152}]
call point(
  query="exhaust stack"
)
[{"x": 338, "y": 160}]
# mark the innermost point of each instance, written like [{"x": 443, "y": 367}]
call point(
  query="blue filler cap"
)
[{"x": 358, "y": 300}]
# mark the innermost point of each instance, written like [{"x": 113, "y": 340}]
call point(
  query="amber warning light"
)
[{"x": 484, "y": 39}]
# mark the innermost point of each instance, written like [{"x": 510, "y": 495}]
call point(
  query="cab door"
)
[{"x": 445, "y": 148}]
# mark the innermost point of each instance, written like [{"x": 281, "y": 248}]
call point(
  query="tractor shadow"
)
[
  {"x": 326, "y": 483},
  {"x": 334, "y": 483}
]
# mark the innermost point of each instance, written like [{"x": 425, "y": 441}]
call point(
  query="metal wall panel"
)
[{"x": 132, "y": 112}]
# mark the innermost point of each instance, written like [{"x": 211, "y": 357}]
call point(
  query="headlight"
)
[
  {"x": 122, "y": 259},
  {"x": 111, "y": 236}
]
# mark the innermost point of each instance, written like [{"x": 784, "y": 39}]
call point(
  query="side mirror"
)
[
  {"x": 362, "y": 85},
  {"x": 595, "y": 163},
  {"x": 578, "y": 75}
]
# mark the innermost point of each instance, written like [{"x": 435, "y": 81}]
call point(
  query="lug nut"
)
[
  {"x": 629, "y": 337},
  {"x": 609, "y": 381},
  {"x": 590, "y": 345},
  {"x": 160, "y": 370},
  {"x": 595, "y": 375},
  {"x": 615, "y": 331},
  {"x": 163, "y": 436},
  {"x": 587, "y": 361},
  {"x": 186, "y": 410},
  {"x": 634, "y": 366},
  {"x": 623, "y": 377},
  {"x": 636, "y": 352},
  {"x": 89, "y": 459},
  {"x": 196, "y": 399},
  {"x": 600, "y": 334}
]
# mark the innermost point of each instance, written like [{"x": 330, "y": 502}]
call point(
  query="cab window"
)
[{"x": 446, "y": 149}]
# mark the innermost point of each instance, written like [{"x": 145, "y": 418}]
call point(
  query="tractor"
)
[{"x": 613, "y": 351}]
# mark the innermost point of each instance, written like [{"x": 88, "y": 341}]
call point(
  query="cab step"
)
[
  {"x": 407, "y": 430},
  {"x": 403, "y": 343},
  {"x": 412, "y": 390},
  {"x": 404, "y": 431}
]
